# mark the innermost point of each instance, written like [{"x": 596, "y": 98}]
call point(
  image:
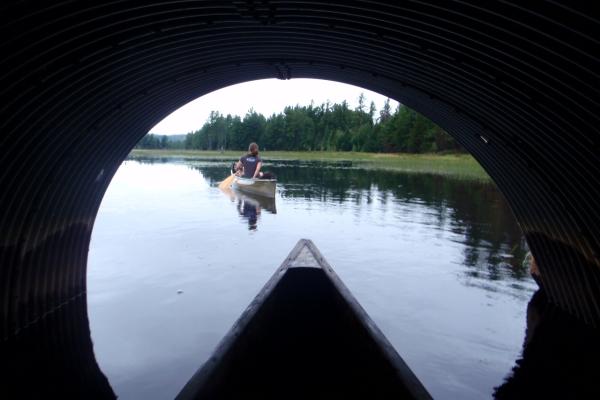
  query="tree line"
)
[
  {"x": 152, "y": 141},
  {"x": 326, "y": 127}
]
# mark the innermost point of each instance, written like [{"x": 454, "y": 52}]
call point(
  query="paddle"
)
[{"x": 226, "y": 182}]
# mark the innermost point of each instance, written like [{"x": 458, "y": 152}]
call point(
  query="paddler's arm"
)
[
  {"x": 257, "y": 172},
  {"x": 238, "y": 168}
]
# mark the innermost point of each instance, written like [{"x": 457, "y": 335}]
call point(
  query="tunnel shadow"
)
[
  {"x": 559, "y": 357},
  {"x": 54, "y": 359},
  {"x": 560, "y": 351}
]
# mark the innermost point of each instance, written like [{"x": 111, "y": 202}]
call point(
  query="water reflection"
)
[
  {"x": 436, "y": 262},
  {"x": 249, "y": 211},
  {"x": 250, "y": 206},
  {"x": 474, "y": 210}
]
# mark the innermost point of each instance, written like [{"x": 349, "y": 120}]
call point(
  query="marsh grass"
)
[{"x": 461, "y": 166}]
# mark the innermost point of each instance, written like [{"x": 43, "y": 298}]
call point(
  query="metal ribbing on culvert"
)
[
  {"x": 54, "y": 359},
  {"x": 81, "y": 83}
]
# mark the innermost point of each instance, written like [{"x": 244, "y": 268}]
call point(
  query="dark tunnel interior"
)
[{"x": 517, "y": 84}]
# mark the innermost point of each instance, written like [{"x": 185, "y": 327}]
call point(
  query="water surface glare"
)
[{"x": 436, "y": 262}]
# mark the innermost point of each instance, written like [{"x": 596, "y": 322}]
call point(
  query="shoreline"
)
[{"x": 462, "y": 166}]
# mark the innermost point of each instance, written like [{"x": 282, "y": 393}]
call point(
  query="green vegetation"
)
[
  {"x": 152, "y": 141},
  {"x": 318, "y": 128},
  {"x": 455, "y": 165},
  {"x": 402, "y": 140}
]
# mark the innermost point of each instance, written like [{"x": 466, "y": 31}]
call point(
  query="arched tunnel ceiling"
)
[{"x": 516, "y": 83}]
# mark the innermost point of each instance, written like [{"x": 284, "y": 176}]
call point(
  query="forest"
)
[{"x": 326, "y": 127}]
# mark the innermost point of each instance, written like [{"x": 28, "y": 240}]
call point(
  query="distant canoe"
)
[
  {"x": 304, "y": 336},
  {"x": 262, "y": 187}
]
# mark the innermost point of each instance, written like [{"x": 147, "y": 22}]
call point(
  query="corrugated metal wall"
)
[{"x": 81, "y": 83}]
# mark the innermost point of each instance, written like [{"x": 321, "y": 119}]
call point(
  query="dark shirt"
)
[{"x": 250, "y": 162}]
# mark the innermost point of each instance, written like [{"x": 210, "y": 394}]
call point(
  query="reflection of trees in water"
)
[
  {"x": 150, "y": 160},
  {"x": 494, "y": 244}
]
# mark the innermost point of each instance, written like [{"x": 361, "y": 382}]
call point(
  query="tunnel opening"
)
[
  {"x": 84, "y": 85},
  {"x": 161, "y": 258}
]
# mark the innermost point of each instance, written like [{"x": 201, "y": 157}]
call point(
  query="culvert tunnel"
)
[{"x": 516, "y": 84}]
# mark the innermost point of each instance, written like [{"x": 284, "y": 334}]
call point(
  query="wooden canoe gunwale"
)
[{"x": 304, "y": 257}]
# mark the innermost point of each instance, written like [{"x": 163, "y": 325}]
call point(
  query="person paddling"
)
[{"x": 249, "y": 165}]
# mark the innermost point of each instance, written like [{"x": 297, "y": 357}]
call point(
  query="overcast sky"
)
[{"x": 266, "y": 96}]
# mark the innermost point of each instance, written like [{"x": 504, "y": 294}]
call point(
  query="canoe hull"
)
[
  {"x": 304, "y": 336},
  {"x": 261, "y": 187}
]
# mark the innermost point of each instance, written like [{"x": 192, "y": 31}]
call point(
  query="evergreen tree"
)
[{"x": 333, "y": 127}]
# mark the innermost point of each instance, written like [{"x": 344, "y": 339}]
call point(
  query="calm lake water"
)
[{"x": 436, "y": 262}]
